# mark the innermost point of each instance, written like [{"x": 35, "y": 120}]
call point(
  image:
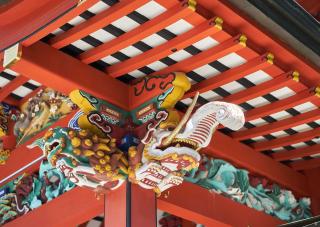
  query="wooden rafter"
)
[
  {"x": 287, "y": 140},
  {"x": 278, "y": 126},
  {"x": 96, "y": 22},
  {"x": 79, "y": 204},
  {"x": 283, "y": 80},
  {"x": 59, "y": 22},
  {"x": 297, "y": 153},
  {"x": 231, "y": 45},
  {"x": 230, "y": 75},
  {"x": 297, "y": 99},
  {"x": 211, "y": 209},
  {"x": 306, "y": 164},
  {"x": 148, "y": 28},
  {"x": 208, "y": 28},
  {"x": 64, "y": 73},
  {"x": 11, "y": 86}
]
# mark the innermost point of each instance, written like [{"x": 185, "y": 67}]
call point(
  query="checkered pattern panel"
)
[{"x": 8, "y": 75}]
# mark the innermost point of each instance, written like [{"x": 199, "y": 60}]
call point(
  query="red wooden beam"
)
[
  {"x": 12, "y": 101},
  {"x": 31, "y": 94},
  {"x": 283, "y": 80},
  {"x": 277, "y": 126},
  {"x": 306, "y": 164},
  {"x": 70, "y": 209},
  {"x": 231, "y": 45},
  {"x": 130, "y": 205},
  {"x": 96, "y": 22},
  {"x": 21, "y": 156},
  {"x": 208, "y": 28},
  {"x": 297, "y": 99},
  {"x": 14, "y": 84},
  {"x": 172, "y": 15},
  {"x": 297, "y": 153},
  {"x": 241, "y": 155},
  {"x": 287, "y": 140},
  {"x": 314, "y": 183},
  {"x": 230, "y": 75},
  {"x": 197, "y": 204},
  {"x": 59, "y": 22},
  {"x": 64, "y": 73}
]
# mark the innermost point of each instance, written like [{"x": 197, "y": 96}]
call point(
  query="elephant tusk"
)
[{"x": 183, "y": 121}]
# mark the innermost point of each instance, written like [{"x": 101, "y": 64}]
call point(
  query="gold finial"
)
[
  {"x": 295, "y": 75},
  {"x": 192, "y": 4},
  {"x": 218, "y": 21},
  {"x": 317, "y": 91},
  {"x": 243, "y": 40},
  {"x": 270, "y": 58}
]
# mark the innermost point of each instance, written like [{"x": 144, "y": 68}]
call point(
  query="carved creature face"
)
[{"x": 167, "y": 154}]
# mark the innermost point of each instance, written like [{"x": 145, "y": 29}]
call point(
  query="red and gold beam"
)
[
  {"x": 287, "y": 140},
  {"x": 230, "y": 75},
  {"x": 297, "y": 99}
]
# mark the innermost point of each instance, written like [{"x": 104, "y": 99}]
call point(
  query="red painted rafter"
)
[
  {"x": 231, "y": 45},
  {"x": 79, "y": 204},
  {"x": 10, "y": 87},
  {"x": 278, "y": 126},
  {"x": 64, "y": 73},
  {"x": 150, "y": 27},
  {"x": 96, "y": 22},
  {"x": 306, "y": 164},
  {"x": 297, "y": 153},
  {"x": 241, "y": 155},
  {"x": 230, "y": 75},
  {"x": 59, "y": 22},
  {"x": 297, "y": 99},
  {"x": 283, "y": 80},
  {"x": 288, "y": 140},
  {"x": 197, "y": 204},
  {"x": 180, "y": 42}
]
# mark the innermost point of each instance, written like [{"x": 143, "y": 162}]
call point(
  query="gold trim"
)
[
  {"x": 295, "y": 75},
  {"x": 270, "y": 58},
  {"x": 317, "y": 91},
  {"x": 81, "y": 2},
  {"x": 192, "y": 4},
  {"x": 218, "y": 22},
  {"x": 243, "y": 40}
]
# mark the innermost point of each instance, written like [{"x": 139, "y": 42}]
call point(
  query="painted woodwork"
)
[
  {"x": 90, "y": 157},
  {"x": 256, "y": 192}
]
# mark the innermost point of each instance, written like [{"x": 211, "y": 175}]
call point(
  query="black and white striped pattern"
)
[
  {"x": 8, "y": 75},
  {"x": 153, "y": 9}
]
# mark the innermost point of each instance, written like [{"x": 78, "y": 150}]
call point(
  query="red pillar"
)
[
  {"x": 314, "y": 186},
  {"x": 130, "y": 206}
]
